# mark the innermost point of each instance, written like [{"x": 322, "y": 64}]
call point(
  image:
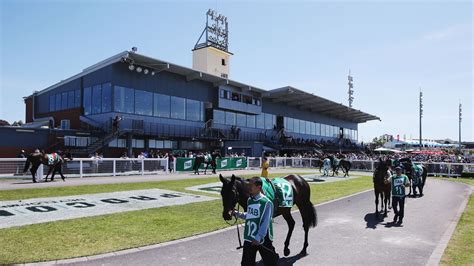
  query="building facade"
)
[{"x": 169, "y": 107}]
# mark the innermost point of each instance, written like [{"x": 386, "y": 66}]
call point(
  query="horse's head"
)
[{"x": 229, "y": 194}]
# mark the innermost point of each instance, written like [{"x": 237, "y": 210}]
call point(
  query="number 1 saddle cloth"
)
[{"x": 283, "y": 189}]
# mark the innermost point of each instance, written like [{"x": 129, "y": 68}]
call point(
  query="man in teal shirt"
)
[
  {"x": 399, "y": 182},
  {"x": 258, "y": 233}
]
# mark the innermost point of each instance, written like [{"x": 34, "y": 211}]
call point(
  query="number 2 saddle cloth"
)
[
  {"x": 53, "y": 158},
  {"x": 283, "y": 189}
]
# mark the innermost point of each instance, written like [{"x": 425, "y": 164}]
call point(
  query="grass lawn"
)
[
  {"x": 460, "y": 247},
  {"x": 102, "y": 234}
]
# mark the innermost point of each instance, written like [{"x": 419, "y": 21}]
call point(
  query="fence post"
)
[
  {"x": 174, "y": 164},
  {"x": 167, "y": 170},
  {"x": 372, "y": 165},
  {"x": 143, "y": 167},
  {"x": 80, "y": 169},
  {"x": 114, "y": 167},
  {"x": 292, "y": 162}
]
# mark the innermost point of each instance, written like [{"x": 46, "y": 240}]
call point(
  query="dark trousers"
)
[
  {"x": 398, "y": 202},
  {"x": 266, "y": 250}
]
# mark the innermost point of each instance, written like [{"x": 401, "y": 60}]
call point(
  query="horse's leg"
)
[
  {"x": 376, "y": 203},
  {"x": 205, "y": 170},
  {"x": 385, "y": 200},
  {"x": 33, "y": 172},
  {"x": 49, "y": 172},
  {"x": 60, "y": 171},
  {"x": 54, "y": 172},
  {"x": 306, "y": 225},
  {"x": 286, "y": 213}
]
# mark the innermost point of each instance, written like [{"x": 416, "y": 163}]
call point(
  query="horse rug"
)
[
  {"x": 53, "y": 158},
  {"x": 283, "y": 189},
  {"x": 417, "y": 174}
]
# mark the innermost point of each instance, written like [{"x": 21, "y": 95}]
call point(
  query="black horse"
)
[
  {"x": 38, "y": 158},
  {"x": 234, "y": 191},
  {"x": 344, "y": 164},
  {"x": 382, "y": 186},
  {"x": 416, "y": 182}
]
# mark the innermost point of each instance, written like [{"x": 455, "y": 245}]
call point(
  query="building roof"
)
[
  {"x": 308, "y": 101},
  {"x": 287, "y": 95}
]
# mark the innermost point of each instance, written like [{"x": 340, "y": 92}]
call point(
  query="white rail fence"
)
[{"x": 83, "y": 167}]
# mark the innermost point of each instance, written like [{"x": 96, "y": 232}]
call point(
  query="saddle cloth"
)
[
  {"x": 283, "y": 189},
  {"x": 53, "y": 159}
]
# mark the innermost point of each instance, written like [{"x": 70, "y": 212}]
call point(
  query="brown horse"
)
[
  {"x": 38, "y": 158},
  {"x": 234, "y": 191},
  {"x": 382, "y": 187}
]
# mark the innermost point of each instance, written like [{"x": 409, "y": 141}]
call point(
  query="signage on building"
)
[{"x": 40, "y": 210}]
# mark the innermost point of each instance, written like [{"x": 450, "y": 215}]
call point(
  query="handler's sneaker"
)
[{"x": 400, "y": 221}]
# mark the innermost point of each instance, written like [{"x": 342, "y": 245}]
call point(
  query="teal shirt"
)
[{"x": 398, "y": 185}]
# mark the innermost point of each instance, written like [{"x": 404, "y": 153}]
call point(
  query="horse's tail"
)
[
  {"x": 27, "y": 164},
  {"x": 311, "y": 216}
]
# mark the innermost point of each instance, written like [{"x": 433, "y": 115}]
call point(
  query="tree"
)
[
  {"x": 18, "y": 123},
  {"x": 4, "y": 123}
]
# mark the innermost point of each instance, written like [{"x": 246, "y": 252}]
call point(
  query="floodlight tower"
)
[
  {"x": 421, "y": 115},
  {"x": 211, "y": 51},
  {"x": 460, "y": 119},
  {"x": 351, "y": 88}
]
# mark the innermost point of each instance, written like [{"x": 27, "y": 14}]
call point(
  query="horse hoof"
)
[
  {"x": 385, "y": 215},
  {"x": 303, "y": 253},
  {"x": 286, "y": 251}
]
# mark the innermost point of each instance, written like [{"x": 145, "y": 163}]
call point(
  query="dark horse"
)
[
  {"x": 344, "y": 164},
  {"x": 38, "y": 158},
  {"x": 234, "y": 190},
  {"x": 415, "y": 181},
  {"x": 209, "y": 160},
  {"x": 382, "y": 187}
]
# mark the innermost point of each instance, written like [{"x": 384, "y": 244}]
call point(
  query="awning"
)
[{"x": 310, "y": 102}]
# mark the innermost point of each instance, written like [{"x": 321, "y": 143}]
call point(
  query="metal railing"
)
[{"x": 82, "y": 167}]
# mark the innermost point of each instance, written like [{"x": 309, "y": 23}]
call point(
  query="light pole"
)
[
  {"x": 351, "y": 89},
  {"x": 460, "y": 119},
  {"x": 421, "y": 116}
]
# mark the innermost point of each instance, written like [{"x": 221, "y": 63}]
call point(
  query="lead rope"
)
[{"x": 238, "y": 231}]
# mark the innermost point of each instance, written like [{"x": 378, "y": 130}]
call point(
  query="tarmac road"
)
[{"x": 348, "y": 233}]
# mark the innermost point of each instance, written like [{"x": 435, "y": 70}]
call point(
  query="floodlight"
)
[
  {"x": 145, "y": 71},
  {"x": 131, "y": 67},
  {"x": 139, "y": 69}
]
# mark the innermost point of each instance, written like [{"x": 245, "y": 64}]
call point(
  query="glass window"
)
[
  {"x": 247, "y": 99},
  {"x": 63, "y": 100},
  {"x": 143, "y": 102},
  {"x": 328, "y": 131},
  {"x": 178, "y": 108},
  {"x": 52, "y": 103},
  {"x": 241, "y": 120},
  {"x": 313, "y": 128},
  {"x": 308, "y": 127},
  {"x": 222, "y": 93},
  {"x": 161, "y": 105},
  {"x": 106, "y": 97},
  {"x": 96, "y": 99},
  {"x": 219, "y": 117},
  {"x": 58, "y": 102},
  {"x": 87, "y": 103},
  {"x": 70, "y": 99},
  {"x": 296, "y": 125},
  {"x": 256, "y": 101},
  {"x": 124, "y": 99},
  {"x": 251, "y": 121},
  {"x": 138, "y": 143},
  {"x": 260, "y": 121},
  {"x": 236, "y": 97},
  {"x": 318, "y": 129},
  {"x": 230, "y": 118},
  {"x": 77, "y": 98},
  {"x": 192, "y": 110},
  {"x": 268, "y": 121},
  {"x": 202, "y": 111},
  {"x": 302, "y": 127},
  {"x": 289, "y": 124}
]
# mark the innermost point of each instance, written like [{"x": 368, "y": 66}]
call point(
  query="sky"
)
[{"x": 391, "y": 48}]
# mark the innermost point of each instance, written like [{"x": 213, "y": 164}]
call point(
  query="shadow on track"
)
[
  {"x": 372, "y": 220},
  {"x": 285, "y": 260}
]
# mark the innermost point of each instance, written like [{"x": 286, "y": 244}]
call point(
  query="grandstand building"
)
[{"x": 165, "y": 106}]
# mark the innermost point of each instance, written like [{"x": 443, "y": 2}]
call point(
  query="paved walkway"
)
[
  {"x": 348, "y": 234},
  {"x": 10, "y": 184}
]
